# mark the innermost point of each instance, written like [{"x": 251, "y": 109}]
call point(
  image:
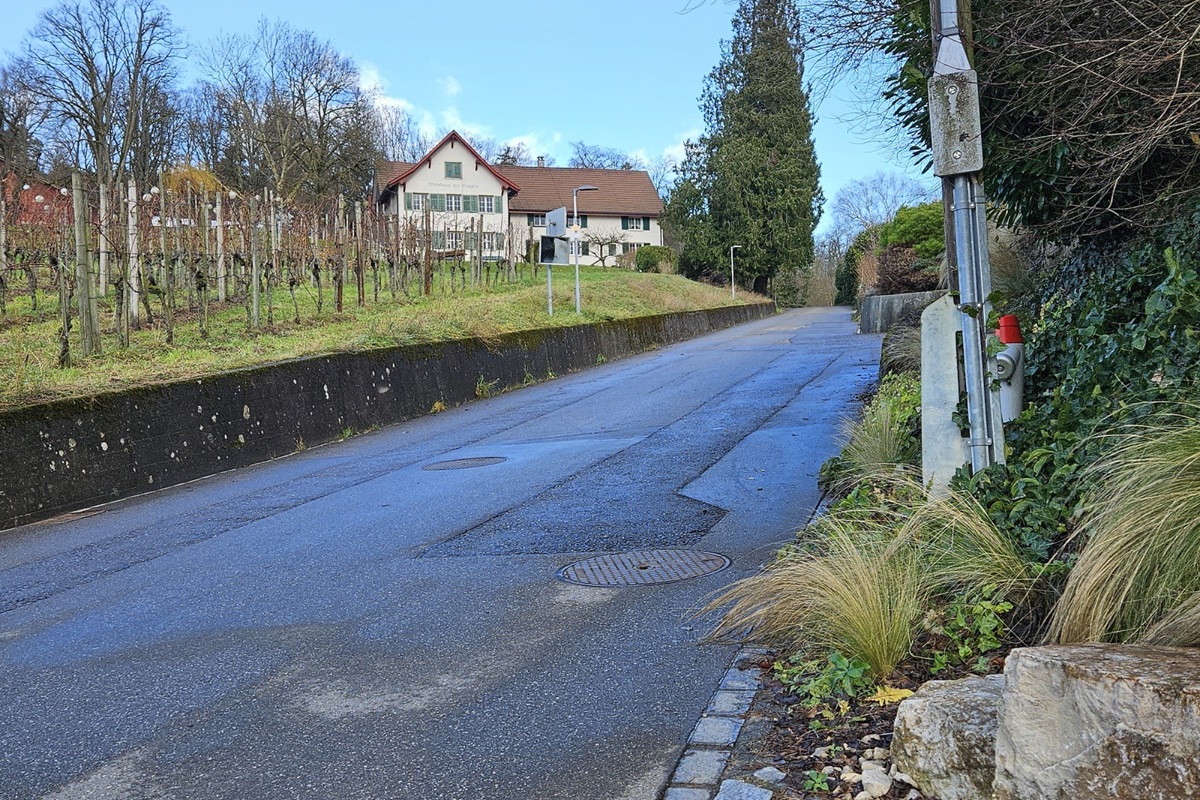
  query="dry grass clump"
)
[
  {"x": 854, "y": 593},
  {"x": 1138, "y": 575},
  {"x": 861, "y": 579}
]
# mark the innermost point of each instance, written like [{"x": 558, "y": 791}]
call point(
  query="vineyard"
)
[{"x": 179, "y": 280}]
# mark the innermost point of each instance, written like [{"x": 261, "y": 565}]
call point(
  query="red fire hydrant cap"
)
[{"x": 1010, "y": 330}]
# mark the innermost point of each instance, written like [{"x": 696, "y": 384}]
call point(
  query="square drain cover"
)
[{"x": 641, "y": 567}]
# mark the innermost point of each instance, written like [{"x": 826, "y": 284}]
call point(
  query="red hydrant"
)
[{"x": 1010, "y": 368}]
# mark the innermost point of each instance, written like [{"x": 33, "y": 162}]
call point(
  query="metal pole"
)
[
  {"x": 956, "y": 133},
  {"x": 575, "y": 242},
  {"x": 732, "y": 282},
  {"x": 549, "y": 290}
]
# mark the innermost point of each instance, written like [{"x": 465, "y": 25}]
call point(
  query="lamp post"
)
[
  {"x": 732, "y": 282},
  {"x": 575, "y": 234}
]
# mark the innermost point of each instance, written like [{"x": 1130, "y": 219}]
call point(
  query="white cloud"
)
[
  {"x": 450, "y": 86},
  {"x": 371, "y": 80},
  {"x": 676, "y": 151}
]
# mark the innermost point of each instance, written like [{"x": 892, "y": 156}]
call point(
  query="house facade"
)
[{"x": 463, "y": 207}]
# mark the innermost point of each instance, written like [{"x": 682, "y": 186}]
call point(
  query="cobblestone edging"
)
[{"x": 697, "y": 776}]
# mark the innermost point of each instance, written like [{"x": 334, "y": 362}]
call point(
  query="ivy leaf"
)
[{"x": 886, "y": 695}]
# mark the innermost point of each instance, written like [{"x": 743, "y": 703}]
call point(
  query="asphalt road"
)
[{"x": 343, "y": 623}]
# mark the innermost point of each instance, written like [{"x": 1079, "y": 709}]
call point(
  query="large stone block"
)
[
  {"x": 945, "y": 737},
  {"x": 1101, "y": 721}
]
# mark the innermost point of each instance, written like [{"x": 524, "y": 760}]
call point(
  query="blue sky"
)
[{"x": 624, "y": 74}]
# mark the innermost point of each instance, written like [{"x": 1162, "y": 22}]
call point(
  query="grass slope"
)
[{"x": 29, "y": 374}]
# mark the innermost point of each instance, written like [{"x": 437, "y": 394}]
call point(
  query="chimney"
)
[{"x": 541, "y": 161}]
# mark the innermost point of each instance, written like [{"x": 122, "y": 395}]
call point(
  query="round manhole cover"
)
[
  {"x": 466, "y": 463},
  {"x": 641, "y": 567}
]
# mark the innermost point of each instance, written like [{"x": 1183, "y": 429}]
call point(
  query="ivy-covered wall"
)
[{"x": 76, "y": 453}]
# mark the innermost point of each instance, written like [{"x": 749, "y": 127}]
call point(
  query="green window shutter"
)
[
  {"x": 624, "y": 223},
  {"x": 583, "y": 222},
  {"x": 408, "y": 201},
  {"x": 437, "y": 202},
  {"x": 499, "y": 241},
  {"x": 499, "y": 204},
  {"x": 529, "y": 219},
  {"x": 470, "y": 203},
  {"x": 584, "y": 250},
  {"x": 470, "y": 240},
  {"x": 645, "y": 223},
  {"x": 439, "y": 240}
]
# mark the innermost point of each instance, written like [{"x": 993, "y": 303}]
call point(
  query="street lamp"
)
[
  {"x": 732, "y": 282},
  {"x": 575, "y": 234}
]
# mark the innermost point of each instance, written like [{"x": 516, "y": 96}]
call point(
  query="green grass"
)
[{"x": 29, "y": 374}]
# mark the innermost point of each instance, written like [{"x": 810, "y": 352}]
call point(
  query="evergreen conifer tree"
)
[{"x": 752, "y": 179}]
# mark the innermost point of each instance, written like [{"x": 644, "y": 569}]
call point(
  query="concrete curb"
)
[{"x": 697, "y": 776}]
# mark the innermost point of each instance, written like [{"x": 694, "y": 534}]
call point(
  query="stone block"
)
[
  {"x": 1109, "y": 721},
  {"x": 945, "y": 735},
  {"x": 716, "y": 731},
  {"x": 737, "y": 790},
  {"x": 701, "y": 767}
]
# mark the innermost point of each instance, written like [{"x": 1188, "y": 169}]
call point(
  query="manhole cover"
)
[
  {"x": 642, "y": 567},
  {"x": 467, "y": 463}
]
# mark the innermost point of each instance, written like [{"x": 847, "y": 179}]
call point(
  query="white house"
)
[{"x": 465, "y": 205}]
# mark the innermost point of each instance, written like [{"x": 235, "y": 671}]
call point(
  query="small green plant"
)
[
  {"x": 346, "y": 434},
  {"x": 972, "y": 626},
  {"x": 816, "y": 682},
  {"x": 816, "y": 781},
  {"x": 485, "y": 388},
  {"x": 301, "y": 445},
  {"x": 438, "y": 407},
  {"x": 600, "y": 359}
]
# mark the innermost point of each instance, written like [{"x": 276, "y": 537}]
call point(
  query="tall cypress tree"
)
[{"x": 752, "y": 179}]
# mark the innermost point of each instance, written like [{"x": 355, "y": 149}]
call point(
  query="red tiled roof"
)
[
  {"x": 386, "y": 172},
  {"x": 398, "y": 175},
  {"x": 622, "y": 192}
]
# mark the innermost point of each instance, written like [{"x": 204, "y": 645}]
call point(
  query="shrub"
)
[
  {"x": 920, "y": 227},
  {"x": 1138, "y": 575},
  {"x": 653, "y": 258},
  {"x": 885, "y": 438},
  {"x": 901, "y": 270}
]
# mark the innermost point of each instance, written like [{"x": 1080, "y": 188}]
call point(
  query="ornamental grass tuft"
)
[{"x": 1138, "y": 574}]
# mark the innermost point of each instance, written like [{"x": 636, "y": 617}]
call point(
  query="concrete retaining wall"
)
[
  {"x": 878, "y": 312},
  {"x": 77, "y": 453}
]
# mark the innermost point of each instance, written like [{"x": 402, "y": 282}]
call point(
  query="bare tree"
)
[
  {"x": 515, "y": 155},
  {"x": 595, "y": 157},
  {"x": 874, "y": 200},
  {"x": 400, "y": 138},
  {"x": 96, "y": 65},
  {"x": 662, "y": 174},
  {"x": 600, "y": 240},
  {"x": 300, "y": 122}
]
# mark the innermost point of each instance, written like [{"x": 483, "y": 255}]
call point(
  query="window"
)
[
  {"x": 631, "y": 246},
  {"x": 635, "y": 223},
  {"x": 537, "y": 220},
  {"x": 454, "y": 240},
  {"x": 493, "y": 240},
  {"x": 454, "y": 202},
  {"x": 454, "y": 169},
  {"x": 582, "y": 221},
  {"x": 612, "y": 249},
  {"x": 487, "y": 203},
  {"x": 415, "y": 202}
]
